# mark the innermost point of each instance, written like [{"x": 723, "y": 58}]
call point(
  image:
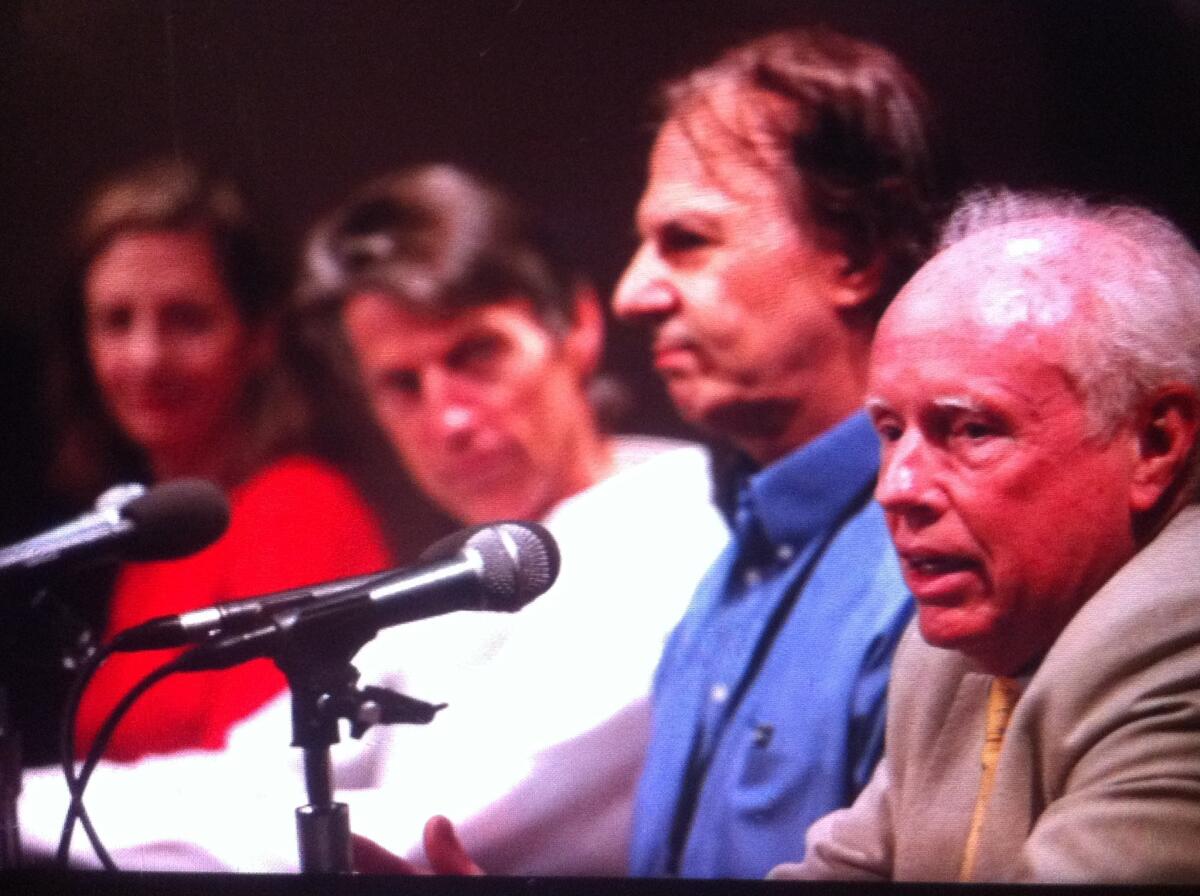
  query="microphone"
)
[
  {"x": 498, "y": 567},
  {"x": 232, "y": 616},
  {"x": 128, "y": 522}
]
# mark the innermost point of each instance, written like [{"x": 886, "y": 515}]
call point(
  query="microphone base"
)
[
  {"x": 10, "y": 789},
  {"x": 324, "y": 839}
]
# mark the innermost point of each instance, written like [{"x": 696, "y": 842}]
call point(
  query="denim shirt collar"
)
[{"x": 804, "y": 493}]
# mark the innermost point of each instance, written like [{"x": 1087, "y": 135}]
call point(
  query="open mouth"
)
[
  {"x": 938, "y": 565},
  {"x": 934, "y": 577}
]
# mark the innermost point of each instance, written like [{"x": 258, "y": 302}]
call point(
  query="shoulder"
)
[
  {"x": 657, "y": 505},
  {"x": 1151, "y": 606},
  {"x": 668, "y": 466},
  {"x": 299, "y": 520},
  {"x": 299, "y": 494},
  {"x": 862, "y": 564},
  {"x": 1136, "y": 641},
  {"x": 654, "y": 480}
]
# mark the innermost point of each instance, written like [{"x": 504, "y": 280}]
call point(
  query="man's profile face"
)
[
  {"x": 738, "y": 297},
  {"x": 481, "y": 406},
  {"x": 1006, "y": 514}
]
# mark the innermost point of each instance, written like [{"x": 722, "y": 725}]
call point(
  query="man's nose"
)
[
  {"x": 906, "y": 483},
  {"x": 645, "y": 289},
  {"x": 451, "y": 414}
]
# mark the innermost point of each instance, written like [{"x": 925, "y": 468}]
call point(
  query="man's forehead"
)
[
  {"x": 698, "y": 164},
  {"x": 1003, "y": 282},
  {"x": 407, "y": 325},
  {"x": 673, "y": 190},
  {"x": 679, "y": 178}
]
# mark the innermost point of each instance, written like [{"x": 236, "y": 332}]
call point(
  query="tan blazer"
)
[{"x": 1099, "y": 776}]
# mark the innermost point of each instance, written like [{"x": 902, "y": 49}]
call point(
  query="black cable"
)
[
  {"x": 66, "y": 755},
  {"x": 76, "y": 785}
]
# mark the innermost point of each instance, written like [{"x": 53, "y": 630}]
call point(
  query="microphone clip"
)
[{"x": 370, "y": 706}]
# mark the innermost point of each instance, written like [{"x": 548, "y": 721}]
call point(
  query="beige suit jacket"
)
[{"x": 1099, "y": 775}]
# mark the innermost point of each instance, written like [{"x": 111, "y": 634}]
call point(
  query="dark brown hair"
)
[
  {"x": 849, "y": 138},
  {"x": 438, "y": 240}
]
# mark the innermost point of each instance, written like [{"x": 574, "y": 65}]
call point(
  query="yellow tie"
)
[{"x": 1001, "y": 699}]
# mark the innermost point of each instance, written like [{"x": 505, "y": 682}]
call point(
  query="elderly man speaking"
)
[{"x": 1036, "y": 390}]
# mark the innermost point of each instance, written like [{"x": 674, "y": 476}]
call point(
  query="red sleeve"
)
[{"x": 297, "y": 522}]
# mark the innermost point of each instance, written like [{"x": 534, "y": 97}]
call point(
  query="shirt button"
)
[
  {"x": 785, "y": 553},
  {"x": 763, "y": 734},
  {"x": 718, "y": 693},
  {"x": 751, "y": 577}
]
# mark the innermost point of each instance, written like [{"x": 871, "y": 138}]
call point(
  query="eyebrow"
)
[
  {"x": 958, "y": 403},
  {"x": 947, "y": 403},
  {"x": 702, "y": 205}
]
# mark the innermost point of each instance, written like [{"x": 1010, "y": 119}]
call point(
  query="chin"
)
[
  {"x": 943, "y": 627},
  {"x": 477, "y": 511}
]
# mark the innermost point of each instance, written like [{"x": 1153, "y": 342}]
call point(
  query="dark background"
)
[{"x": 301, "y": 100}]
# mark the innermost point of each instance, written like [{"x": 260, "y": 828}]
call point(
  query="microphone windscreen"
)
[
  {"x": 175, "y": 519},
  {"x": 525, "y": 553},
  {"x": 538, "y": 567}
]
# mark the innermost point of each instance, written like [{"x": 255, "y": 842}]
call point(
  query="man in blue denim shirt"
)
[{"x": 791, "y": 191}]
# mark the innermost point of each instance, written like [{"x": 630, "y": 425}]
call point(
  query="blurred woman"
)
[{"x": 171, "y": 369}]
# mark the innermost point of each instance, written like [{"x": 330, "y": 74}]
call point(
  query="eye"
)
[
  {"x": 404, "y": 384},
  {"x": 887, "y": 426},
  {"x": 975, "y": 438},
  {"x": 188, "y": 317},
  {"x": 477, "y": 355},
  {"x": 111, "y": 321},
  {"x": 973, "y": 430},
  {"x": 889, "y": 432},
  {"x": 679, "y": 238}
]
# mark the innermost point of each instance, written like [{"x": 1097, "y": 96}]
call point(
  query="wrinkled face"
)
[
  {"x": 737, "y": 296},
  {"x": 1007, "y": 516},
  {"x": 482, "y": 407},
  {"x": 169, "y": 350}
]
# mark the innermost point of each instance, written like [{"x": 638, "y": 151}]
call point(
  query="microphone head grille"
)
[
  {"x": 536, "y": 555},
  {"x": 175, "y": 519},
  {"x": 520, "y": 562}
]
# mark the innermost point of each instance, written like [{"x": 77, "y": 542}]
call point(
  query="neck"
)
[
  {"x": 205, "y": 459},
  {"x": 835, "y": 390},
  {"x": 593, "y": 461},
  {"x": 587, "y": 459},
  {"x": 838, "y": 393}
]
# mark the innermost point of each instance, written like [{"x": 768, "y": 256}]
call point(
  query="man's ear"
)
[
  {"x": 856, "y": 286},
  {"x": 1168, "y": 425},
  {"x": 584, "y": 343}
]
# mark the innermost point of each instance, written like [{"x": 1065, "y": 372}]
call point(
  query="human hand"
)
[{"x": 442, "y": 847}]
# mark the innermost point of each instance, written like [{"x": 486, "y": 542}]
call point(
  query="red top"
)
[{"x": 297, "y": 522}]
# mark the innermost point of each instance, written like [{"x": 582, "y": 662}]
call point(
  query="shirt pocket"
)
[{"x": 781, "y": 767}]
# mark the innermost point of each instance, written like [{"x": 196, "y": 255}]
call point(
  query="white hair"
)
[{"x": 1140, "y": 324}]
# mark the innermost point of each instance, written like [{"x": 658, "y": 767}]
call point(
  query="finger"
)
[
  {"x": 371, "y": 858},
  {"x": 445, "y": 851}
]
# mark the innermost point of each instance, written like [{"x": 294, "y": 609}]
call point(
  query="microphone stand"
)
[
  {"x": 324, "y": 689},
  {"x": 73, "y": 645},
  {"x": 10, "y": 788}
]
